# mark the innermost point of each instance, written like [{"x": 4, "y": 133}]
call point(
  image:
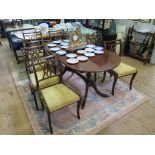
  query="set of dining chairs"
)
[{"x": 44, "y": 71}]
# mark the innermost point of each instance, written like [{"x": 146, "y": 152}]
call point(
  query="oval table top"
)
[{"x": 98, "y": 63}]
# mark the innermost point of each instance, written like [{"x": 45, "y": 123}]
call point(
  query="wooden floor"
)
[{"x": 14, "y": 120}]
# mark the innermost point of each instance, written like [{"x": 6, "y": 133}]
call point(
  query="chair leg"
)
[
  {"x": 104, "y": 75},
  {"x": 114, "y": 83},
  {"x": 78, "y": 109},
  {"x": 35, "y": 99},
  {"x": 49, "y": 122},
  {"x": 42, "y": 105},
  {"x": 95, "y": 74},
  {"x": 133, "y": 76}
]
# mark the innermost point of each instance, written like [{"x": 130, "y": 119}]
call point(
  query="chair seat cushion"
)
[
  {"x": 59, "y": 96},
  {"x": 124, "y": 69},
  {"x": 45, "y": 83}
]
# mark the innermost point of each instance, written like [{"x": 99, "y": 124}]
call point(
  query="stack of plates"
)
[
  {"x": 57, "y": 41},
  {"x": 91, "y": 46},
  {"x": 89, "y": 49},
  {"x": 64, "y": 44},
  {"x": 82, "y": 58},
  {"x": 81, "y": 51},
  {"x": 72, "y": 61},
  {"x": 89, "y": 54},
  {"x": 51, "y": 45},
  {"x": 61, "y": 52},
  {"x": 71, "y": 55},
  {"x": 98, "y": 52},
  {"x": 98, "y": 48},
  {"x": 64, "y": 47},
  {"x": 66, "y": 40},
  {"x": 54, "y": 49}
]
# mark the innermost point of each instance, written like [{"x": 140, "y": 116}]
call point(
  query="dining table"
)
[{"x": 97, "y": 63}]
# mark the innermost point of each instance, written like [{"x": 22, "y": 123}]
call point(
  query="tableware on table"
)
[
  {"x": 98, "y": 52},
  {"x": 91, "y": 46},
  {"x": 72, "y": 61},
  {"x": 98, "y": 48},
  {"x": 66, "y": 40},
  {"x": 51, "y": 45},
  {"x": 54, "y": 49},
  {"x": 89, "y": 49},
  {"x": 89, "y": 54},
  {"x": 64, "y": 43},
  {"x": 64, "y": 47},
  {"x": 61, "y": 52},
  {"x": 57, "y": 41},
  {"x": 71, "y": 55},
  {"x": 81, "y": 51},
  {"x": 82, "y": 58}
]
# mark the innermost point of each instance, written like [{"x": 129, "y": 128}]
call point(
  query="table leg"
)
[{"x": 90, "y": 82}]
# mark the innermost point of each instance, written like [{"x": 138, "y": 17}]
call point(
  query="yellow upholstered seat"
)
[
  {"x": 124, "y": 69},
  {"x": 45, "y": 83},
  {"x": 58, "y": 96}
]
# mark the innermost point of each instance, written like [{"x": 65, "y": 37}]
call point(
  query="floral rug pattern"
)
[{"x": 98, "y": 113}]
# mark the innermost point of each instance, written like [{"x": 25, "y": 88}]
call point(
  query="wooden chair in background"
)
[{"x": 121, "y": 70}]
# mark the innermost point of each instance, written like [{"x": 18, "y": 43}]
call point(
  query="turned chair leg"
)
[
  {"x": 78, "y": 109},
  {"x": 49, "y": 122},
  {"x": 104, "y": 75},
  {"x": 133, "y": 76},
  {"x": 114, "y": 83},
  {"x": 35, "y": 99}
]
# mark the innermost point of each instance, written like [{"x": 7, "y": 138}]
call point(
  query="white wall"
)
[{"x": 138, "y": 25}]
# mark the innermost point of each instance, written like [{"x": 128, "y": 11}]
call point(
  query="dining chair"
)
[
  {"x": 95, "y": 38},
  {"x": 30, "y": 53},
  {"x": 57, "y": 96},
  {"x": 32, "y": 38},
  {"x": 122, "y": 69},
  {"x": 56, "y": 35}
]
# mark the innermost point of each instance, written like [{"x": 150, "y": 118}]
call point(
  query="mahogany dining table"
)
[{"x": 98, "y": 63}]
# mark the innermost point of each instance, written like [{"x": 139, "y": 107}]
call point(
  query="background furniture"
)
[{"x": 139, "y": 45}]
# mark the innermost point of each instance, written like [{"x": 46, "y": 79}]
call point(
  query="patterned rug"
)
[{"x": 98, "y": 113}]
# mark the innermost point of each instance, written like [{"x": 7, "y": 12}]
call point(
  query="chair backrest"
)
[
  {"x": 94, "y": 38},
  {"x": 114, "y": 46},
  {"x": 56, "y": 35},
  {"x": 34, "y": 52},
  {"x": 32, "y": 38},
  {"x": 50, "y": 65}
]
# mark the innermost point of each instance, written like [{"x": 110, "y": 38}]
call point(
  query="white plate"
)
[
  {"x": 89, "y": 54},
  {"x": 98, "y": 52},
  {"x": 91, "y": 46},
  {"x": 82, "y": 58},
  {"x": 64, "y": 47},
  {"x": 51, "y": 45},
  {"x": 71, "y": 55},
  {"x": 66, "y": 40},
  {"x": 64, "y": 44},
  {"x": 54, "y": 49},
  {"x": 72, "y": 61},
  {"x": 81, "y": 51},
  {"x": 89, "y": 49},
  {"x": 98, "y": 48},
  {"x": 57, "y": 41},
  {"x": 62, "y": 52}
]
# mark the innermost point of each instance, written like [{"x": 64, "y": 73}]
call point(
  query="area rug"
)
[{"x": 98, "y": 113}]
